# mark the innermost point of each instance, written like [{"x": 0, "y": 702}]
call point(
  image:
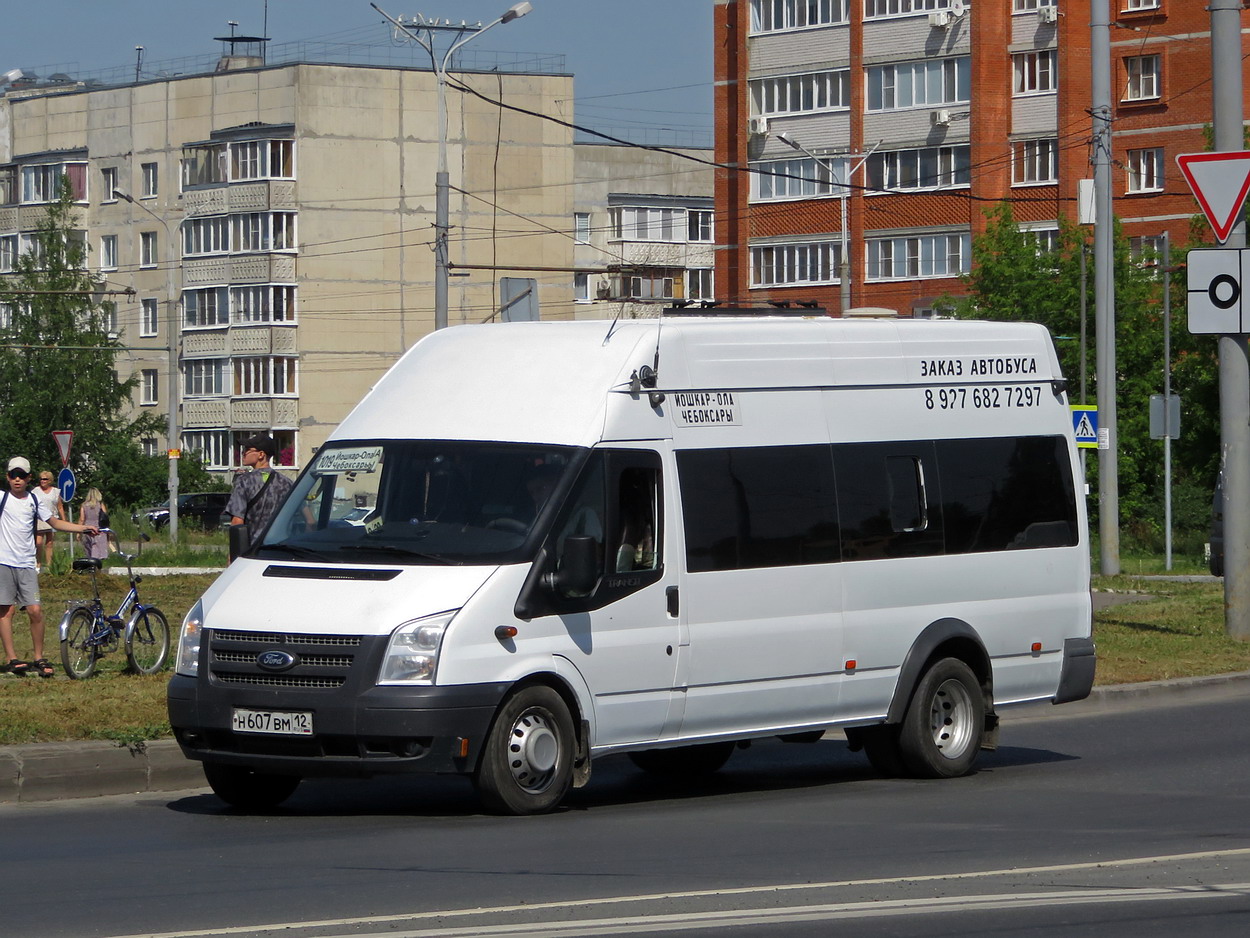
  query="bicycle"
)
[{"x": 88, "y": 632}]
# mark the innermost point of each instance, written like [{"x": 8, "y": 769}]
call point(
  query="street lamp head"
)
[
  {"x": 123, "y": 195},
  {"x": 788, "y": 140},
  {"x": 516, "y": 11}
]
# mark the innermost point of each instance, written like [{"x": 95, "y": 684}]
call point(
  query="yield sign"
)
[
  {"x": 1220, "y": 182},
  {"x": 63, "y": 440}
]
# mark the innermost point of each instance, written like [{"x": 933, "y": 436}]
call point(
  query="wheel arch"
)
[
  {"x": 570, "y": 687},
  {"x": 943, "y": 638}
]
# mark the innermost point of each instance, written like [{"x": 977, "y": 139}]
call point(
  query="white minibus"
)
[{"x": 534, "y": 544}]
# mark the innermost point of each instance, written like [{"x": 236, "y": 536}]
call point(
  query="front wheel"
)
[
  {"x": 78, "y": 651},
  {"x": 527, "y": 763},
  {"x": 941, "y": 734},
  {"x": 147, "y": 641},
  {"x": 245, "y": 788}
]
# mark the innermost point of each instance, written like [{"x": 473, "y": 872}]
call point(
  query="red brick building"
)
[{"x": 932, "y": 112}]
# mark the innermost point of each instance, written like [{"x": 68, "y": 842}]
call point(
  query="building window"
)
[
  {"x": 1145, "y": 170},
  {"x": 109, "y": 320},
  {"x": 1034, "y": 161},
  {"x": 783, "y": 264},
  {"x": 800, "y": 94},
  {"x": 648, "y": 224},
  {"x": 147, "y": 391},
  {"x": 1146, "y": 250},
  {"x": 204, "y": 377},
  {"x": 265, "y": 303},
  {"x": 43, "y": 183},
  {"x": 772, "y": 15},
  {"x": 150, "y": 180},
  {"x": 206, "y": 308},
  {"x": 874, "y": 8},
  {"x": 255, "y": 232},
  {"x": 8, "y": 253},
  {"x": 149, "y": 317},
  {"x": 1143, "y": 78},
  {"x": 108, "y": 252},
  {"x": 213, "y": 446},
  {"x": 581, "y": 228},
  {"x": 262, "y": 159},
  {"x": 1036, "y": 72},
  {"x": 202, "y": 236},
  {"x": 1045, "y": 240},
  {"x": 1134, "y": 5},
  {"x": 1029, "y": 6},
  {"x": 8, "y": 185},
  {"x": 698, "y": 225},
  {"x": 108, "y": 183},
  {"x": 204, "y": 166},
  {"x": 648, "y": 286},
  {"x": 919, "y": 84},
  {"x": 940, "y": 255},
  {"x": 147, "y": 249},
  {"x": 794, "y": 179},
  {"x": 581, "y": 288},
  {"x": 264, "y": 377},
  {"x": 926, "y": 168},
  {"x": 699, "y": 283}
]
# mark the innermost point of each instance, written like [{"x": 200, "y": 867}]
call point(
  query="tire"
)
[
  {"x": 684, "y": 760},
  {"x": 77, "y": 656},
  {"x": 940, "y": 737},
  {"x": 147, "y": 641},
  {"x": 245, "y": 788},
  {"x": 882, "y": 749},
  {"x": 527, "y": 762}
]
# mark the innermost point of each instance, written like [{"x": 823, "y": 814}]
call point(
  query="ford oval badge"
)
[{"x": 276, "y": 660}]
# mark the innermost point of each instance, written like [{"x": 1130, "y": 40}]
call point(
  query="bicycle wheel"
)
[
  {"x": 78, "y": 651},
  {"x": 147, "y": 640}
]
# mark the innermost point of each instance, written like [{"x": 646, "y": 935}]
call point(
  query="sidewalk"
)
[{"x": 56, "y": 771}]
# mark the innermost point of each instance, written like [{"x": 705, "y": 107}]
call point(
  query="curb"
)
[{"x": 58, "y": 771}]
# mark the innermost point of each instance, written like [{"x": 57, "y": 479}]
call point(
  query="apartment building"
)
[
  {"x": 643, "y": 229},
  {"x": 883, "y": 130},
  {"x": 280, "y": 220}
]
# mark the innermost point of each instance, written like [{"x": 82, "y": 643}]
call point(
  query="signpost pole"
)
[{"x": 1227, "y": 117}]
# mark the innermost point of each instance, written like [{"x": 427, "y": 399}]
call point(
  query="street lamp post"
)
[
  {"x": 844, "y": 265},
  {"x": 172, "y": 432},
  {"x": 423, "y": 32}
]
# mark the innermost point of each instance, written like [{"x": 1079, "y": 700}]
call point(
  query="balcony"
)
[
  {"x": 238, "y": 269},
  {"x": 240, "y": 197}
]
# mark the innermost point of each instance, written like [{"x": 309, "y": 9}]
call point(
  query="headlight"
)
[
  {"x": 412, "y": 653},
  {"x": 189, "y": 641}
]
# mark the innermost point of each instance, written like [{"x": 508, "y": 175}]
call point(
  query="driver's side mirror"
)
[
  {"x": 577, "y": 571},
  {"x": 238, "y": 540}
]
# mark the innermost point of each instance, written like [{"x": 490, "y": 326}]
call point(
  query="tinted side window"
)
[
  {"x": 1007, "y": 494},
  {"x": 887, "y": 499},
  {"x": 758, "y": 507}
]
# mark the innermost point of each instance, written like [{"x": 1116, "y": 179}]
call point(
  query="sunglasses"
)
[{"x": 18, "y": 474}]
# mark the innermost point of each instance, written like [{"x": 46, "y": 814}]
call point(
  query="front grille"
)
[{"x": 323, "y": 662}]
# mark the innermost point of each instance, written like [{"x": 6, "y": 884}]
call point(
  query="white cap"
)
[{"x": 19, "y": 462}]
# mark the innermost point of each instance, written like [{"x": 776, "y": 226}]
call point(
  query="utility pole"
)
[
  {"x": 1104, "y": 290},
  {"x": 1227, "y": 116}
]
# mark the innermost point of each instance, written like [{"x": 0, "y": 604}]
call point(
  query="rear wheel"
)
[
  {"x": 147, "y": 641},
  {"x": 246, "y": 788},
  {"x": 78, "y": 652},
  {"x": 684, "y": 760},
  {"x": 527, "y": 763},
  {"x": 941, "y": 734}
]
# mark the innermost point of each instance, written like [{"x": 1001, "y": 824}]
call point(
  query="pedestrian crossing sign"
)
[{"x": 1085, "y": 425}]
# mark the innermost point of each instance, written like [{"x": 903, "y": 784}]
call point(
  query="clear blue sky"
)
[{"x": 641, "y": 66}]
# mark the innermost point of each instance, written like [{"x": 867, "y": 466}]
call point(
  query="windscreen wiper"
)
[{"x": 399, "y": 551}]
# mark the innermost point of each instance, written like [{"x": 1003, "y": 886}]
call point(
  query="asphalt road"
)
[{"x": 1127, "y": 817}]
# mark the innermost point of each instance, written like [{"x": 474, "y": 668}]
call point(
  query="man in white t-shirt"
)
[{"x": 19, "y": 579}]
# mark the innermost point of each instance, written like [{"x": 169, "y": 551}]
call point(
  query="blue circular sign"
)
[{"x": 67, "y": 484}]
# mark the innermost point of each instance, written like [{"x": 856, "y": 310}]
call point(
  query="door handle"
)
[{"x": 674, "y": 603}]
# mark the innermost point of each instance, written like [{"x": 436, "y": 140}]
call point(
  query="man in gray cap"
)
[
  {"x": 19, "y": 580},
  {"x": 258, "y": 493}
]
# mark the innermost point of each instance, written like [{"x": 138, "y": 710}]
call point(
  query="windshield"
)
[{"x": 418, "y": 501}]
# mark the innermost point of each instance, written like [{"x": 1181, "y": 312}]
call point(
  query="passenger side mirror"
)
[
  {"x": 578, "y": 569},
  {"x": 238, "y": 540}
]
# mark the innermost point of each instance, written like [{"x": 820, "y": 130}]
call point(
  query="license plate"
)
[{"x": 277, "y": 722}]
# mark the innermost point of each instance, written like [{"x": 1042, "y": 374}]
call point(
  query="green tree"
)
[
  {"x": 1014, "y": 279},
  {"x": 57, "y": 361}
]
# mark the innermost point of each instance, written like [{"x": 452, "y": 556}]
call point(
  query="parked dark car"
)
[{"x": 202, "y": 509}]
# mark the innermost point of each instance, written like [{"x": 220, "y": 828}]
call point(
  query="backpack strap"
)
[{"x": 34, "y": 522}]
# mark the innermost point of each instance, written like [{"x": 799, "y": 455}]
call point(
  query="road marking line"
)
[{"x": 708, "y": 893}]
